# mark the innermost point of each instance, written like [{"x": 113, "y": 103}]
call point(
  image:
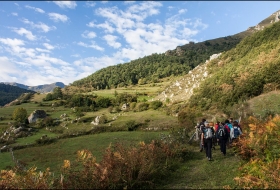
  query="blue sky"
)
[{"x": 42, "y": 42}]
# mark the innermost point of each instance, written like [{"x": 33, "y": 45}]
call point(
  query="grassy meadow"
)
[{"x": 52, "y": 155}]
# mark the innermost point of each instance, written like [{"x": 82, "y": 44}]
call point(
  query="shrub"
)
[
  {"x": 142, "y": 106},
  {"x": 122, "y": 167},
  {"x": 20, "y": 115},
  {"x": 103, "y": 119},
  {"x": 132, "y": 105},
  {"x": 131, "y": 125},
  {"x": 155, "y": 104},
  {"x": 258, "y": 145},
  {"x": 46, "y": 140}
]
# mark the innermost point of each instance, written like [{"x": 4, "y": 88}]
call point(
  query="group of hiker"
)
[{"x": 220, "y": 133}]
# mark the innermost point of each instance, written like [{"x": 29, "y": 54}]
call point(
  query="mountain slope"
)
[
  {"x": 9, "y": 93},
  {"x": 246, "y": 71},
  {"x": 40, "y": 88},
  {"x": 182, "y": 89}
]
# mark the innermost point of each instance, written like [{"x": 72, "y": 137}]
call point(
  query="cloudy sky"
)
[{"x": 42, "y": 42}]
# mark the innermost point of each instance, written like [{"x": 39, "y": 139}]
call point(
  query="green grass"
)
[
  {"x": 33, "y": 138},
  {"x": 268, "y": 102},
  {"x": 146, "y": 92},
  {"x": 52, "y": 155},
  {"x": 199, "y": 173}
]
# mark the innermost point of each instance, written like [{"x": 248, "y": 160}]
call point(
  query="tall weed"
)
[
  {"x": 122, "y": 166},
  {"x": 260, "y": 146}
]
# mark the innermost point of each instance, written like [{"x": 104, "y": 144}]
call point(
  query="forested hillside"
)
[
  {"x": 154, "y": 67},
  {"x": 9, "y": 93},
  {"x": 178, "y": 62}
]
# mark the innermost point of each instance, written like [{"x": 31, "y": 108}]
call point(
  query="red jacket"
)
[
  {"x": 216, "y": 126},
  {"x": 227, "y": 128}
]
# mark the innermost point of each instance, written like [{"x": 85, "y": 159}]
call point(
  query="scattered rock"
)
[{"x": 36, "y": 115}]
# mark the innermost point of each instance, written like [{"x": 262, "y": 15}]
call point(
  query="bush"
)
[
  {"x": 103, "y": 119},
  {"x": 132, "y": 105},
  {"x": 187, "y": 118},
  {"x": 259, "y": 146},
  {"x": 46, "y": 140},
  {"x": 155, "y": 104},
  {"x": 131, "y": 125},
  {"x": 20, "y": 115},
  {"x": 142, "y": 106}
]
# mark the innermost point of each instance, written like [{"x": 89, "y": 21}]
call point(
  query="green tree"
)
[
  {"x": 57, "y": 93},
  {"x": 20, "y": 115},
  {"x": 48, "y": 97}
]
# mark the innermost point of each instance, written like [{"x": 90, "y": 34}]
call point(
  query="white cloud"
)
[
  {"x": 43, "y": 50},
  {"x": 76, "y": 55},
  {"x": 8, "y": 71},
  {"x": 111, "y": 41},
  {"x": 107, "y": 26},
  {"x": 129, "y": 2},
  {"x": 58, "y": 17},
  {"x": 91, "y": 64},
  {"x": 66, "y": 4},
  {"x": 89, "y": 34},
  {"x": 16, "y": 48},
  {"x": 12, "y": 42},
  {"x": 90, "y": 4},
  {"x": 36, "y": 9},
  {"x": 155, "y": 37},
  {"x": 181, "y": 11},
  {"x": 170, "y": 7},
  {"x": 115, "y": 18},
  {"x": 45, "y": 28},
  {"x": 28, "y": 34},
  {"x": 48, "y": 46},
  {"x": 147, "y": 8},
  {"x": 15, "y": 14},
  {"x": 92, "y": 45}
]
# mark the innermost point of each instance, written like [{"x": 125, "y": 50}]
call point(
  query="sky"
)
[{"x": 42, "y": 42}]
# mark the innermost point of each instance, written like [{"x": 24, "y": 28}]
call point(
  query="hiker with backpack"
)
[
  {"x": 201, "y": 127},
  {"x": 235, "y": 132},
  {"x": 229, "y": 125},
  {"x": 222, "y": 134},
  {"x": 214, "y": 139},
  {"x": 206, "y": 140}
]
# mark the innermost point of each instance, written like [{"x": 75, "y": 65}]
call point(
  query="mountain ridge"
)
[{"x": 45, "y": 88}]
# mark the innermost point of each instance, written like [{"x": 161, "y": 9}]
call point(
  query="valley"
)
[{"x": 129, "y": 126}]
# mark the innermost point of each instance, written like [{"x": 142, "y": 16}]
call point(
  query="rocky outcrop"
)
[
  {"x": 12, "y": 133},
  {"x": 125, "y": 107},
  {"x": 181, "y": 90},
  {"x": 96, "y": 120},
  {"x": 36, "y": 115}
]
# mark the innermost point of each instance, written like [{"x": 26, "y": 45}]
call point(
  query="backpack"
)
[
  {"x": 201, "y": 128},
  {"x": 208, "y": 134},
  {"x": 221, "y": 132},
  {"x": 236, "y": 132}
]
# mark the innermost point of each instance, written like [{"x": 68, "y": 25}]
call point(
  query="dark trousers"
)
[
  {"x": 208, "y": 147},
  {"x": 223, "y": 145}
]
